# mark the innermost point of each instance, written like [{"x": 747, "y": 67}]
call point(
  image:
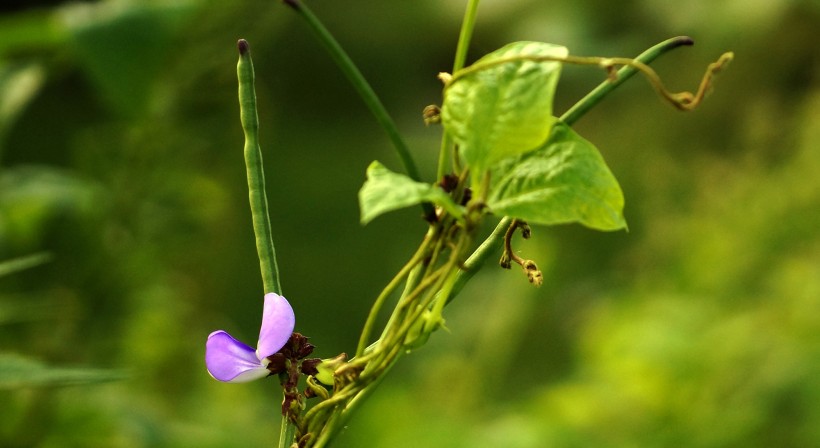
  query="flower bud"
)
[
  {"x": 431, "y": 115},
  {"x": 326, "y": 369},
  {"x": 534, "y": 274}
]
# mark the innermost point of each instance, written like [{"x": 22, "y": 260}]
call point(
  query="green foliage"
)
[
  {"x": 501, "y": 106},
  {"x": 499, "y": 110},
  {"x": 20, "y": 84},
  {"x": 566, "y": 180},
  {"x": 696, "y": 329},
  {"x": 385, "y": 191},
  {"x": 21, "y": 372},
  {"x": 18, "y": 264},
  {"x": 32, "y": 197},
  {"x": 125, "y": 47}
]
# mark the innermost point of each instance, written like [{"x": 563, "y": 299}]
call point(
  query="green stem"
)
[
  {"x": 354, "y": 75},
  {"x": 287, "y": 433},
  {"x": 399, "y": 318},
  {"x": 22, "y": 263},
  {"x": 355, "y": 402},
  {"x": 413, "y": 280},
  {"x": 466, "y": 34},
  {"x": 329, "y": 430},
  {"x": 464, "y": 37},
  {"x": 473, "y": 263},
  {"x": 597, "y": 94},
  {"x": 374, "y": 311},
  {"x": 255, "y": 172}
]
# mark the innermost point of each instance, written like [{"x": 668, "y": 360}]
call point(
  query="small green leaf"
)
[
  {"x": 566, "y": 180},
  {"x": 385, "y": 191},
  {"x": 17, "y": 372},
  {"x": 501, "y": 106}
]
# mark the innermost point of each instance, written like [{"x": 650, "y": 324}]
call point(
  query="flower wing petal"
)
[
  {"x": 278, "y": 321},
  {"x": 230, "y": 360}
]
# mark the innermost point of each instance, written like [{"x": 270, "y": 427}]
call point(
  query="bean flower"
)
[{"x": 232, "y": 361}]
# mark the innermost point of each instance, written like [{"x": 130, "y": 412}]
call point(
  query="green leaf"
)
[
  {"x": 22, "y": 263},
  {"x": 32, "y": 28},
  {"x": 19, "y": 85},
  {"x": 17, "y": 372},
  {"x": 385, "y": 191},
  {"x": 125, "y": 46},
  {"x": 34, "y": 197},
  {"x": 566, "y": 180},
  {"x": 501, "y": 106}
]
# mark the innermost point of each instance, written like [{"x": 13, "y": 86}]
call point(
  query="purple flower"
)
[{"x": 232, "y": 361}]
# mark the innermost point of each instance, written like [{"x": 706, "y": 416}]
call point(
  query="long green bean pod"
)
[{"x": 256, "y": 175}]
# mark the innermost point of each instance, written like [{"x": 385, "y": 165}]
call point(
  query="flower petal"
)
[
  {"x": 278, "y": 321},
  {"x": 230, "y": 360}
]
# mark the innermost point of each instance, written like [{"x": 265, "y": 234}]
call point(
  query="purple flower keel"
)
[{"x": 232, "y": 361}]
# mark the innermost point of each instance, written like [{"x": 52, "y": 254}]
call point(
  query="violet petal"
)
[
  {"x": 278, "y": 321},
  {"x": 230, "y": 360}
]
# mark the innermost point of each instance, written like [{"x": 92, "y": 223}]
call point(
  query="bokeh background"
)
[{"x": 121, "y": 172}]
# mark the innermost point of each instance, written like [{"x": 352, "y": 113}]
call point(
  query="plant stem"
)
[
  {"x": 464, "y": 37},
  {"x": 22, "y": 263},
  {"x": 255, "y": 172},
  {"x": 287, "y": 432},
  {"x": 377, "y": 305},
  {"x": 597, "y": 94},
  {"x": 466, "y": 34},
  {"x": 473, "y": 263},
  {"x": 354, "y": 75}
]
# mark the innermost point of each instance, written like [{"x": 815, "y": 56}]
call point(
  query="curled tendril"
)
[
  {"x": 681, "y": 100},
  {"x": 534, "y": 275},
  {"x": 688, "y": 101}
]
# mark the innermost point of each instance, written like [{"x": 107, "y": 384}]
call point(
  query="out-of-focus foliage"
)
[{"x": 120, "y": 157}]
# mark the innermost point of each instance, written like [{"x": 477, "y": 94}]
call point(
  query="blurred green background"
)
[{"x": 120, "y": 160}]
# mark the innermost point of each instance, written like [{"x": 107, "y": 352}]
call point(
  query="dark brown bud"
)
[
  {"x": 278, "y": 363},
  {"x": 309, "y": 365},
  {"x": 448, "y": 182},
  {"x": 243, "y": 47},
  {"x": 468, "y": 194}
]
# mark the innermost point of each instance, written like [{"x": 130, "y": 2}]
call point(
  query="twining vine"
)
[{"x": 504, "y": 156}]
